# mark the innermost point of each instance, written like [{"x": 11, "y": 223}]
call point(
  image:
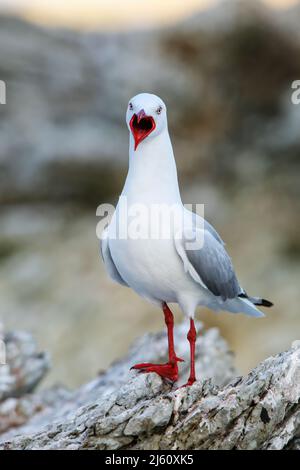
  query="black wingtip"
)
[
  {"x": 266, "y": 303},
  {"x": 257, "y": 300}
]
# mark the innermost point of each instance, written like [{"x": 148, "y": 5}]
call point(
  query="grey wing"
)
[
  {"x": 200, "y": 222},
  {"x": 210, "y": 265},
  {"x": 213, "y": 232},
  {"x": 108, "y": 261}
]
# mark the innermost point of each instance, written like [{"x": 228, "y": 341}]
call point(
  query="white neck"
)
[{"x": 152, "y": 174}]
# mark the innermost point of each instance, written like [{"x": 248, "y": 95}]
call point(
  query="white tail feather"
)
[{"x": 240, "y": 305}]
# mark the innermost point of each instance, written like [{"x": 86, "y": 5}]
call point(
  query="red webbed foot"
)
[{"x": 167, "y": 371}]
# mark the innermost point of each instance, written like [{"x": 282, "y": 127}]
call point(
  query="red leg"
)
[
  {"x": 170, "y": 369},
  {"x": 169, "y": 320},
  {"x": 191, "y": 336}
]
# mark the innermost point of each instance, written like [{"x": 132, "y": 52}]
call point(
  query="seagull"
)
[{"x": 189, "y": 265}]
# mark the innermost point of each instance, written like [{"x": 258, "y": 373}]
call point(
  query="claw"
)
[{"x": 178, "y": 359}]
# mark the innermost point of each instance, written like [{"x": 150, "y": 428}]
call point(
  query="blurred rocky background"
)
[{"x": 225, "y": 74}]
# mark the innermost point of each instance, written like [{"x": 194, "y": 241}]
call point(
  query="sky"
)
[{"x": 111, "y": 14}]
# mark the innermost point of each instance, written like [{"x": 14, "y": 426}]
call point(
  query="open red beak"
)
[{"x": 141, "y": 126}]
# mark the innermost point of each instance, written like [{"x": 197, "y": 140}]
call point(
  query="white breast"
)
[{"x": 151, "y": 267}]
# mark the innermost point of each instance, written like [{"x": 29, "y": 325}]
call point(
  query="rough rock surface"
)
[
  {"x": 22, "y": 367},
  {"x": 128, "y": 410},
  {"x": 25, "y": 366}
]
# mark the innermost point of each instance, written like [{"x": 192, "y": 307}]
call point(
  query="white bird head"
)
[{"x": 146, "y": 117}]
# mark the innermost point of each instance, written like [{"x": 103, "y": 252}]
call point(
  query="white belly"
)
[{"x": 153, "y": 268}]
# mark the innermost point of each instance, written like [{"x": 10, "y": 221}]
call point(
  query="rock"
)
[
  {"x": 24, "y": 365},
  {"x": 129, "y": 410}
]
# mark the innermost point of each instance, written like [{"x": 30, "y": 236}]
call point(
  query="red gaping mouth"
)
[{"x": 141, "y": 126}]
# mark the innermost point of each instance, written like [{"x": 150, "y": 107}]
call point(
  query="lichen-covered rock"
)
[
  {"x": 25, "y": 365},
  {"x": 130, "y": 410}
]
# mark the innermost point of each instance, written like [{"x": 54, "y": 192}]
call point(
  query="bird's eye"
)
[
  {"x": 130, "y": 106},
  {"x": 159, "y": 110}
]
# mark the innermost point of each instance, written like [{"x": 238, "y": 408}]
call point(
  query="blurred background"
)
[{"x": 225, "y": 70}]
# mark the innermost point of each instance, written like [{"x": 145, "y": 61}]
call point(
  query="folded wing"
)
[
  {"x": 108, "y": 261},
  {"x": 209, "y": 264}
]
